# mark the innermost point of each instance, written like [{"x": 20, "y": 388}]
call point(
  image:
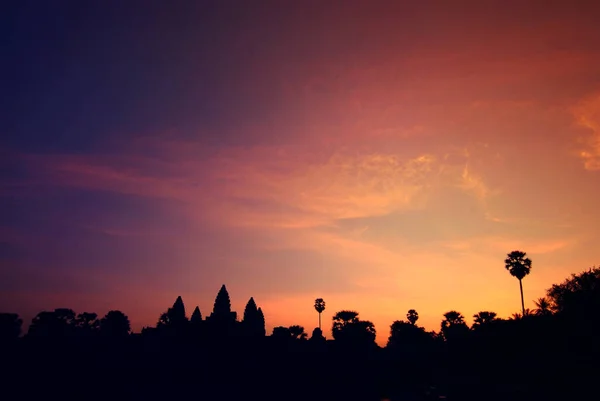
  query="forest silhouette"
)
[{"x": 550, "y": 352}]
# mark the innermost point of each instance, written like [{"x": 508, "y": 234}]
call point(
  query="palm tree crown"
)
[
  {"x": 518, "y": 264},
  {"x": 319, "y": 305},
  {"x": 412, "y": 316},
  {"x": 453, "y": 318},
  {"x": 482, "y": 318},
  {"x": 543, "y": 307}
]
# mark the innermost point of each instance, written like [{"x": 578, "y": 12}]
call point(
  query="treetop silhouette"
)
[
  {"x": 87, "y": 322},
  {"x": 115, "y": 324},
  {"x": 412, "y": 316},
  {"x": 577, "y": 296},
  {"x": 407, "y": 336},
  {"x": 543, "y": 307},
  {"x": 482, "y": 318},
  {"x": 345, "y": 317},
  {"x": 281, "y": 333},
  {"x": 349, "y": 329},
  {"x": 317, "y": 335},
  {"x": 297, "y": 332},
  {"x": 453, "y": 326}
]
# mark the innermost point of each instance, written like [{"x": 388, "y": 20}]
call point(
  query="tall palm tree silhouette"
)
[
  {"x": 319, "y": 307},
  {"x": 519, "y": 266}
]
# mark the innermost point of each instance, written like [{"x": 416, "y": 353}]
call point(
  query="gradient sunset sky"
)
[{"x": 382, "y": 155}]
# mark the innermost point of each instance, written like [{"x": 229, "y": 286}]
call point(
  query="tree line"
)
[
  {"x": 534, "y": 353},
  {"x": 577, "y": 296}
]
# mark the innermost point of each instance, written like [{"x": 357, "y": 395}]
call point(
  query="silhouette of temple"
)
[
  {"x": 222, "y": 320},
  {"x": 222, "y": 309}
]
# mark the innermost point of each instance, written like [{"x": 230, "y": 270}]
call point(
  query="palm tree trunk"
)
[
  {"x": 319, "y": 320},
  {"x": 522, "y": 300}
]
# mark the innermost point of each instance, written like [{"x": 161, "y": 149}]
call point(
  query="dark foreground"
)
[{"x": 132, "y": 369}]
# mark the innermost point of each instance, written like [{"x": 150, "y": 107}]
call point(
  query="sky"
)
[{"x": 380, "y": 155}]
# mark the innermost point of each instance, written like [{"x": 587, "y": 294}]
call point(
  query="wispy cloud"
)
[
  {"x": 270, "y": 186},
  {"x": 501, "y": 245},
  {"x": 587, "y": 115}
]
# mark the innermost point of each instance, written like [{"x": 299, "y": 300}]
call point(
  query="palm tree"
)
[
  {"x": 542, "y": 307},
  {"x": 345, "y": 317},
  {"x": 483, "y": 318},
  {"x": 519, "y": 266},
  {"x": 453, "y": 318},
  {"x": 412, "y": 316},
  {"x": 319, "y": 307},
  {"x": 297, "y": 332},
  {"x": 341, "y": 320},
  {"x": 453, "y": 325},
  {"x": 348, "y": 328},
  {"x": 519, "y": 316}
]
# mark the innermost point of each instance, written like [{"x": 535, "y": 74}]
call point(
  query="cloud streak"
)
[
  {"x": 587, "y": 115},
  {"x": 302, "y": 190}
]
